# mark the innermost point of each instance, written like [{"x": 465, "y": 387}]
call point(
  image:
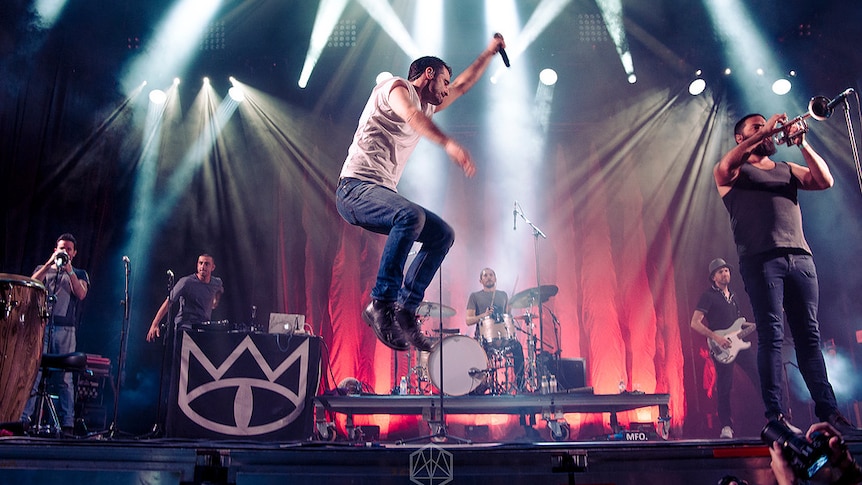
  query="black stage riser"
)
[{"x": 48, "y": 462}]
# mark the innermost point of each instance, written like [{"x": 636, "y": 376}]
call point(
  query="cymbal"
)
[
  {"x": 432, "y": 309},
  {"x": 529, "y": 297}
]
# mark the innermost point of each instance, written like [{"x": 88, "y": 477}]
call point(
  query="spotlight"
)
[
  {"x": 157, "y": 96},
  {"x": 727, "y": 71},
  {"x": 781, "y": 87},
  {"x": 383, "y": 76},
  {"x": 176, "y": 81},
  {"x": 548, "y": 77},
  {"x": 696, "y": 87},
  {"x": 633, "y": 78},
  {"x": 206, "y": 81},
  {"x": 236, "y": 94}
]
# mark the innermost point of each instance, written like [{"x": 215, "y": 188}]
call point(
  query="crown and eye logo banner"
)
[{"x": 248, "y": 386}]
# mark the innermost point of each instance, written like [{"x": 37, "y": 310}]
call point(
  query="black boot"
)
[
  {"x": 410, "y": 327},
  {"x": 843, "y": 426},
  {"x": 378, "y": 315}
]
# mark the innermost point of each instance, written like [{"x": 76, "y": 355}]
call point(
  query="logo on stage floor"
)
[
  {"x": 266, "y": 402},
  {"x": 431, "y": 465}
]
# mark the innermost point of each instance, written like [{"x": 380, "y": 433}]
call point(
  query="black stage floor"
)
[
  {"x": 321, "y": 460},
  {"x": 163, "y": 462}
]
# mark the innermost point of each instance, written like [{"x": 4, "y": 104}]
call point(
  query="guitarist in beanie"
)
[{"x": 718, "y": 318}]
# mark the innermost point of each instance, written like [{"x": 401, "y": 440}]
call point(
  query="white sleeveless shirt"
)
[{"x": 383, "y": 141}]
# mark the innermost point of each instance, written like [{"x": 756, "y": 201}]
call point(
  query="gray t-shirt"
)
[
  {"x": 65, "y": 308},
  {"x": 483, "y": 300},
  {"x": 383, "y": 141},
  {"x": 196, "y": 298}
]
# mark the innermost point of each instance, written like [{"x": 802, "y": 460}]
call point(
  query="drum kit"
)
[{"x": 483, "y": 366}]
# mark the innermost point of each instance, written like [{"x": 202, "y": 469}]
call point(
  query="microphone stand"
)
[
  {"x": 440, "y": 434},
  {"x": 39, "y": 407},
  {"x": 167, "y": 351},
  {"x": 852, "y": 137},
  {"x": 536, "y": 233},
  {"x": 113, "y": 429},
  {"x": 557, "y": 339}
]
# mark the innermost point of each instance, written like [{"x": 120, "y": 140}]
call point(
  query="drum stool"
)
[{"x": 50, "y": 363}]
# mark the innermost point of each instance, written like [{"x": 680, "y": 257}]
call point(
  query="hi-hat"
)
[
  {"x": 532, "y": 296},
  {"x": 432, "y": 309},
  {"x": 525, "y": 316}
]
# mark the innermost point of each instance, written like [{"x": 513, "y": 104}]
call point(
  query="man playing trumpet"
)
[{"x": 775, "y": 261}]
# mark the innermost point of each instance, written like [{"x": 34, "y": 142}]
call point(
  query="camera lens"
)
[{"x": 805, "y": 458}]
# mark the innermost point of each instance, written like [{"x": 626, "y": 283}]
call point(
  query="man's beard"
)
[{"x": 766, "y": 148}]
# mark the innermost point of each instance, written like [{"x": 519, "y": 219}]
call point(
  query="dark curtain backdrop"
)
[{"x": 623, "y": 190}]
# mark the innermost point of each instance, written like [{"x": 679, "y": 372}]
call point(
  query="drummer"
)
[{"x": 493, "y": 303}]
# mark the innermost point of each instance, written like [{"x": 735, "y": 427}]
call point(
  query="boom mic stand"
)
[
  {"x": 440, "y": 434},
  {"x": 536, "y": 233},
  {"x": 852, "y": 137}
]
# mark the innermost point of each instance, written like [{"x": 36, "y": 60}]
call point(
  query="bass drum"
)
[
  {"x": 465, "y": 365},
  {"x": 22, "y": 325}
]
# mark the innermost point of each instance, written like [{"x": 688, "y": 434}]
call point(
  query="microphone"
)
[
  {"x": 474, "y": 372},
  {"x": 126, "y": 259},
  {"x": 62, "y": 259},
  {"x": 502, "y": 51},
  {"x": 515, "y": 217},
  {"x": 171, "y": 275},
  {"x": 838, "y": 99}
]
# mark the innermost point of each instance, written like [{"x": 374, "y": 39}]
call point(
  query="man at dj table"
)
[{"x": 198, "y": 294}]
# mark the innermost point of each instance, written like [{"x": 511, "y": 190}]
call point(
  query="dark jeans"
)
[
  {"x": 378, "y": 209},
  {"x": 780, "y": 284},
  {"x": 747, "y": 362}
]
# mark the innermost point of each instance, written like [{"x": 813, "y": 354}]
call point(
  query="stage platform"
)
[
  {"x": 168, "y": 462},
  {"x": 550, "y": 407},
  {"x": 432, "y": 459}
]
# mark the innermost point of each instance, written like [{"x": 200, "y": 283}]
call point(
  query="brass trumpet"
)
[{"x": 819, "y": 108}]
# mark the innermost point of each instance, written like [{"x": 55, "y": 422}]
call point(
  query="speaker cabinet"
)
[{"x": 571, "y": 374}]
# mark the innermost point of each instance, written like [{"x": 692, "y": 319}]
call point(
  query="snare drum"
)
[
  {"x": 465, "y": 365},
  {"x": 22, "y": 325},
  {"x": 497, "y": 333}
]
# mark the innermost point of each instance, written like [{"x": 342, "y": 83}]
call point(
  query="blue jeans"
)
[
  {"x": 381, "y": 210},
  {"x": 62, "y": 342},
  {"x": 780, "y": 284}
]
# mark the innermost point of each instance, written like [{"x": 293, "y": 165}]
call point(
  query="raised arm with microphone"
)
[{"x": 501, "y": 50}]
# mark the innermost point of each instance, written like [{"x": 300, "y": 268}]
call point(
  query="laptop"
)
[{"x": 288, "y": 323}]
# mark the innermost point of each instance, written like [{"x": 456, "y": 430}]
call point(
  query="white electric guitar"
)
[{"x": 735, "y": 333}]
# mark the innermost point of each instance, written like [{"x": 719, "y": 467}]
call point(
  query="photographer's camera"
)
[{"x": 805, "y": 458}]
